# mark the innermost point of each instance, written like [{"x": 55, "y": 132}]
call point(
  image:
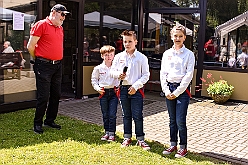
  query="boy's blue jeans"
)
[
  {"x": 109, "y": 103},
  {"x": 132, "y": 107},
  {"x": 177, "y": 110}
]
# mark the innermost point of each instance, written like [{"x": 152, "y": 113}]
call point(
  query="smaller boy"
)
[{"x": 105, "y": 85}]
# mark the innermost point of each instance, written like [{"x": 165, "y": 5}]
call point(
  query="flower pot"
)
[{"x": 220, "y": 99}]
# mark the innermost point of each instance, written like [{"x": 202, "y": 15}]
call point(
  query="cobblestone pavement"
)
[{"x": 219, "y": 131}]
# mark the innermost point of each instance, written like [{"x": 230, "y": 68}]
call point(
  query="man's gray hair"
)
[{"x": 7, "y": 42}]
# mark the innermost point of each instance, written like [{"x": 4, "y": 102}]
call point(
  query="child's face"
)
[
  {"x": 109, "y": 56},
  {"x": 129, "y": 43},
  {"x": 178, "y": 37}
]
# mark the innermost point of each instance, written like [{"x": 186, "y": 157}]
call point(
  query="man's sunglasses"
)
[{"x": 62, "y": 14}]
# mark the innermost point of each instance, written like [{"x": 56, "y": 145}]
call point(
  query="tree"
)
[{"x": 218, "y": 11}]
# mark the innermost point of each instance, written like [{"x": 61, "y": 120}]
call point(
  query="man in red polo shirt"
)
[{"x": 46, "y": 47}]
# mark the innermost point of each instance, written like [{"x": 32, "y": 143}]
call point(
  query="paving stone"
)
[
  {"x": 245, "y": 109},
  {"x": 218, "y": 131}
]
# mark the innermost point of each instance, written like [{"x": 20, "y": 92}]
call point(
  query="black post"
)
[
  {"x": 133, "y": 14},
  {"x": 201, "y": 41},
  {"x": 140, "y": 24},
  {"x": 79, "y": 53},
  {"x": 101, "y": 24},
  {"x": 237, "y": 40}
]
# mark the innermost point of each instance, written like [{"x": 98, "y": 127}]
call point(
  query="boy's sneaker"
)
[
  {"x": 181, "y": 153},
  {"x": 170, "y": 150},
  {"x": 111, "y": 138},
  {"x": 105, "y": 137},
  {"x": 126, "y": 142},
  {"x": 143, "y": 144}
]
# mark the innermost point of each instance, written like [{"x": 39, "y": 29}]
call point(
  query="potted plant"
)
[{"x": 220, "y": 91}]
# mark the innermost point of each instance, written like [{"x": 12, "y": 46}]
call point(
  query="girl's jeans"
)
[
  {"x": 109, "y": 103},
  {"x": 177, "y": 110}
]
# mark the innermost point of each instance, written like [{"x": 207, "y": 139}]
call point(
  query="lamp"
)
[{"x": 52, "y": 3}]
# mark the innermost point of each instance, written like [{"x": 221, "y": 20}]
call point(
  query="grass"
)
[{"x": 76, "y": 143}]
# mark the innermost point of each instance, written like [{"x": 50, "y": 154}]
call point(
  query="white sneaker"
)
[
  {"x": 105, "y": 137},
  {"x": 143, "y": 144}
]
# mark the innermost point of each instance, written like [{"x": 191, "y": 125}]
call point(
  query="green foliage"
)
[
  {"x": 187, "y": 3},
  {"x": 76, "y": 143},
  {"x": 219, "y": 11},
  {"x": 220, "y": 87}
]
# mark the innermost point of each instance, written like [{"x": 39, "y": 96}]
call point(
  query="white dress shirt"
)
[
  {"x": 100, "y": 77},
  {"x": 242, "y": 59},
  {"x": 138, "y": 69},
  {"x": 177, "y": 67}
]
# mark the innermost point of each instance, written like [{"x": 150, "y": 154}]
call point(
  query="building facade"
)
[{"x": 92, "y": 24}]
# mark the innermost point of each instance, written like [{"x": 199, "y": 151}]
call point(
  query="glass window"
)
[
  {"x": 116, "y": 18},
  {"x": 173, "y": 3},
  {"x": 157, "y": 34},
  {"x": 17, "y": 81}
]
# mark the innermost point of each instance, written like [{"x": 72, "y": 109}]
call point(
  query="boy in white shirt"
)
[
  {"x": 106, "y": 85},
  {"x": 131, "y": 90},
  {"x": 177, "y": 68}
]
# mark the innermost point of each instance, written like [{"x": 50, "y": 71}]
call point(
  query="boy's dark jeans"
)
[
  {"x": 48, "y": 83},
  {"x": 177, "y": 110},
  {"x": 109, "y": 102},
  {"x": 132, "y": 107}
]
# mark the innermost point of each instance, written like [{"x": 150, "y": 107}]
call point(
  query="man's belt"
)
[{"x": 48, "y": 61}]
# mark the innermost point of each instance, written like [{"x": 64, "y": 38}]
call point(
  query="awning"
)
[
  {"x": 157, "y": 18},
  {"x": 93, "y": 19},
  {"x": 188, "y": 31},
  {"x": 7, "y": 15},
  {"x": 232, "y": 24}
]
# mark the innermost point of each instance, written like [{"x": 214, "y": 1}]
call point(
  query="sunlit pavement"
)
[{"x": 219, "y": 131}]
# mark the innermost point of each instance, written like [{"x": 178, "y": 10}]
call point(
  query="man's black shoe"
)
[
  {"x": 52, "y": 125},
  {"x": 38, "y": 129}
]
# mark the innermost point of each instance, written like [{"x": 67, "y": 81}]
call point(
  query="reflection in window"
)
[
  {"x": 157, "y": 37},
  {"x": 17, "y": 79},
  {"x": 173, "y": 3},
  {"x": 116, "y": 18}
]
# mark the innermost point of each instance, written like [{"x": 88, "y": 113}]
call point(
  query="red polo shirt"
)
[{"x": 50, "y": 44}]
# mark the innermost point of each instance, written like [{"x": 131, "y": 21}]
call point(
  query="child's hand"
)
[
  {"x": 170, "y": 96},
  {"x": 131, "y": 91},
  {"x": 122, "y": 76},
  {"x": 101, "y": 91}
]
